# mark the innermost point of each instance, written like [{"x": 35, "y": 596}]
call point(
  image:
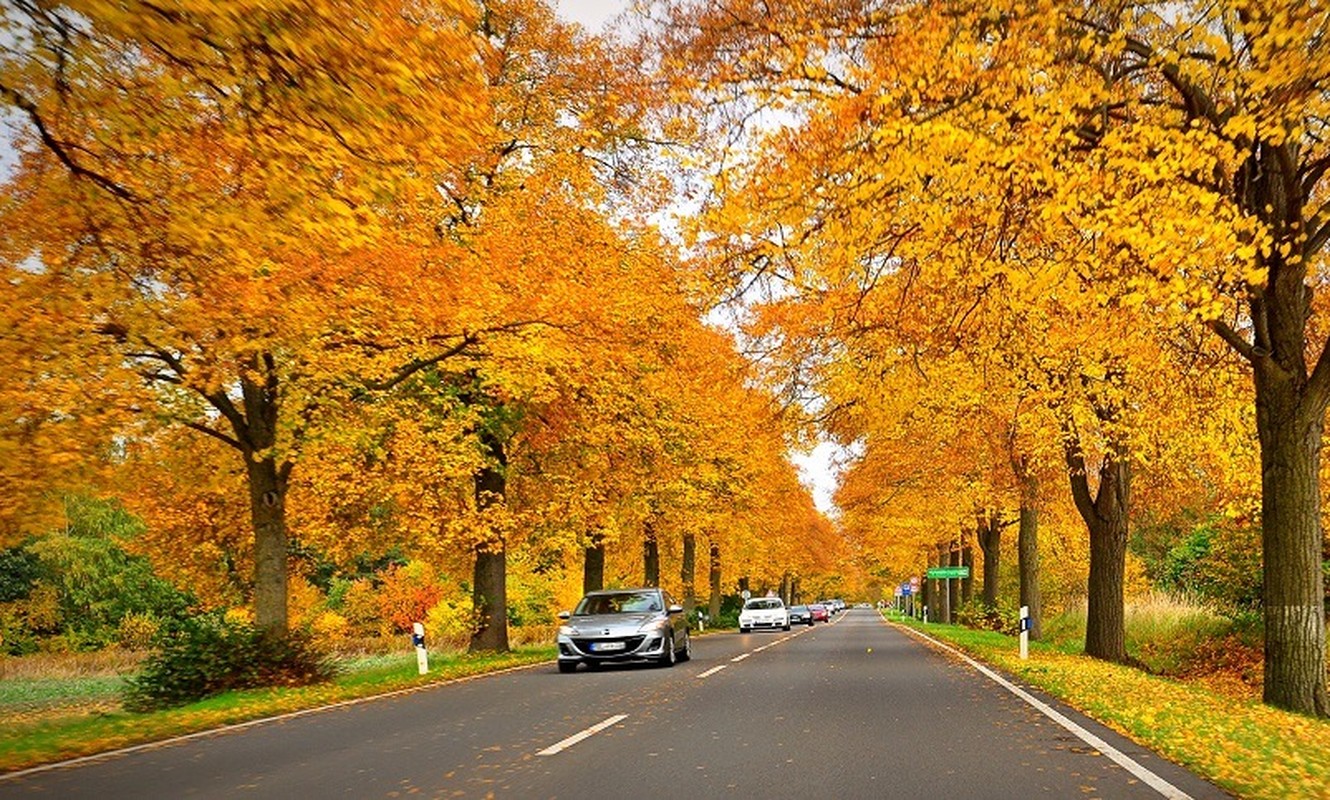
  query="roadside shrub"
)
[
  {"x": 1003, "y": 619},
  {"x": 329, "y": 629},
  {"x": 210, "y": 656},
  {"x": 449, "y": 624}
]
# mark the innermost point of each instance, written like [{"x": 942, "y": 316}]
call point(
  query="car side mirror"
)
[
  {"x": 676, "y": 609},
  {"x": 564, "y": 615}
]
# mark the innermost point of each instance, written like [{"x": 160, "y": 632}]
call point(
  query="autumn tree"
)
[{"x": 203, "y": 176}]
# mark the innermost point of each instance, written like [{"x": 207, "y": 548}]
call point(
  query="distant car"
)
[
  {"x": 764, "y": 612},
  {"x": 800, "y": 615},
  {"x": 624, "y": 625},
  {"x": 819, "y": 613}
]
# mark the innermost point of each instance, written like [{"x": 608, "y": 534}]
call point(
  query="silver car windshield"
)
[
  {"x": 618, "y": 603},
  {"x": 765, "y": 602}
]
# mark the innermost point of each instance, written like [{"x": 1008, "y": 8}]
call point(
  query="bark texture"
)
[
  {"x": 1027, "y": 540},
  {"x": 490, "y": 592},
  {"x": 650, "y": 555},
  {"x": 593, "y": 566},
  {"x": 1291, "y": 540},
  {"x": 988, "y": 529},
  {"x": 267, "y": 504},
  {"x": 967, "y": 583},
  {"x": 687, "y": 571},
  {"x": 713, "y": 608},
  {"x": 954, "y": 584},
  {"x": 1105, "y": 516},
  {"x": 254, "y": 423},
  {"x": 941, "y": 590}
]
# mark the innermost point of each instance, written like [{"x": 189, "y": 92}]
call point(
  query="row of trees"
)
[
  {"x": 339, "y": 279},
  {"x": 1037, "y": 243}
]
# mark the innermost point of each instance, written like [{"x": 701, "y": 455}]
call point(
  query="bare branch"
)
[{"x": 216, "y": 434}]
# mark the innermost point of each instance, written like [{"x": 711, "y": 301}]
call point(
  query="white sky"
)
[{"x": 591, "y": 13}]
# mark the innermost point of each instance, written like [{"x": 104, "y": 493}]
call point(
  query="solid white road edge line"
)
[
  {"x": 577, "y": 737},
  {"x": 1117, "y": 756},
  {"x": 712, "y": 671}
]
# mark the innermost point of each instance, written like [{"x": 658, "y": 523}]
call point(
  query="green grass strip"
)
[
  {"x": 28, "y": 744},
  {"x": 1245, "y": 747}
]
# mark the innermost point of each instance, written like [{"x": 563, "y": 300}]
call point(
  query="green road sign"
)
[{"x": 948, "y": 572}]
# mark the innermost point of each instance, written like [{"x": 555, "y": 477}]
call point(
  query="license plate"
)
[{"x": 602, "y": 647}]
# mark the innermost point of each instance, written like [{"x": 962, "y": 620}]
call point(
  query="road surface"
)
[{"x": 852, "y": 709}]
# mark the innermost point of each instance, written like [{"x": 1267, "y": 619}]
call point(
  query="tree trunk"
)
[
  {"x": 989, "y": 531},
  {"x": 953, "y": 584},
  {"x": 967, "y": 583},
  {"x": 254, "y": 423},
  {"x": 267, "y": 507},
  {"x": 490, "y": 593},
  {"x": 1105, "y": 517},
  {"x": 593, "y": 565},
  {"x": 650, "y": 555},
  {"x": 687, "y": 571},
  {"x": 713, "y": 609},
  {"x": 943, "y": 588},
  {"x": 785, "y": 588},
  {"x": 1027, "y": 546},
  {"x": 1290, "y": 429},
  {"x": 1105, "y": 628},
  {"x": 926, "y": 602}
]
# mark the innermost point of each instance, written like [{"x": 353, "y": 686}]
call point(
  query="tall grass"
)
[
  {"x": 59, "y": 666},
  {"x": 1170, "y": 634}
]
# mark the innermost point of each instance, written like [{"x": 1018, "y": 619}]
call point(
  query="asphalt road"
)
[{"x": 852, "y": 709}]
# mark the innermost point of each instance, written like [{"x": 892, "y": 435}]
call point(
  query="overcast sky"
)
[{"x": 591, "y": 13}]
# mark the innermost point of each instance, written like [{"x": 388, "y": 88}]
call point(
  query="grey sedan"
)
[{"x": 624, "y": 625}]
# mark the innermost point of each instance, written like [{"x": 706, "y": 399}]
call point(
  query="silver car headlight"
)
[
  {"x": 567, "y": 630},
  {"x": 651, "y": 626}
]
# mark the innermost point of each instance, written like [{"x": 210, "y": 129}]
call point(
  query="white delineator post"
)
[
  {"x": 1025, "y": 632},
  {"x": 418, "y": 639}
]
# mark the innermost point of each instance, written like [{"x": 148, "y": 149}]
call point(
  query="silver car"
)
[{"x": 624, "y": 625}]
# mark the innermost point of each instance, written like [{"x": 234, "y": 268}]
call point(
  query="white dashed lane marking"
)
[{"x": 577, "y": 737}]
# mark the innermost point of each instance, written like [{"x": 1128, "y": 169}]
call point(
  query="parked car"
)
[
  {"x": 800, "y": 615},
  {"x": 819, "y": 613},
  {"x": 764, "y": 612},
  {"x": 624, "y": 625}
]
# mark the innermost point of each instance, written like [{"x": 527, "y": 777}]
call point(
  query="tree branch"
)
[
  {"x": 412, "y": 367},
  {"x": 58, "y": 147},
  {"x": 216, "y": 434},
  {"x": 1233, "y": 339}
]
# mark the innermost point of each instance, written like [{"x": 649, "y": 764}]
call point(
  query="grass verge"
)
[
  {"x": 44, "y": 740},
  {"x": 1243, "y": 746}
]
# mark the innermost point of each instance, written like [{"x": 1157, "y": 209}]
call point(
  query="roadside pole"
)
[
  {"x": 1025, "y": 632},
  {"x": 418, "y": 639}
]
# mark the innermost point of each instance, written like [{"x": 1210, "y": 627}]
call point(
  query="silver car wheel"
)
[
  {"x": 687, "y": 654},
  {"x": 669, "y": 657}
]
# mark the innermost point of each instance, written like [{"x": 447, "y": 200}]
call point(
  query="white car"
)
[{"x": 764, "y": 612}]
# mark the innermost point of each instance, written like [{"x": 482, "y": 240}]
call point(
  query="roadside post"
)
[
  {"x": 1025, "y": 632},
  {"x": 418, "y": 639}
]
